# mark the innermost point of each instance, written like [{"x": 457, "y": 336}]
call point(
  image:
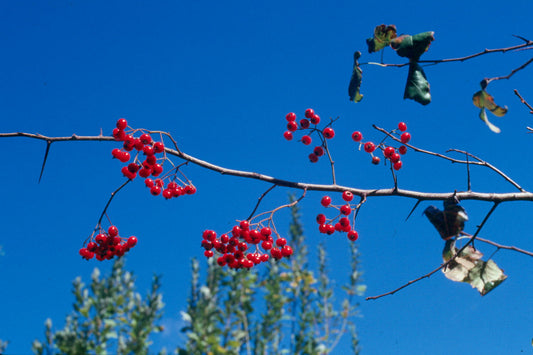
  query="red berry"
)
[
  {"x": 168, "y": 194},
  {"x": 402, "y": 149},
  {"x": 315, "y": 119},
  {"x": 122, "y": 124},
  {"x": 395, "y": 157},
  {"x": 353, "y": 235},
  {"x": 151, "y": 160},
  {"x": 287, "y": 135},
  {"x": 132, "y": 241},
  {"x": 155, "y": 190},
  {"x": 119, "y": 134},
  {"x": 321, "y": 219},
  {"x": 387, "y": 152},
  {"x": 357, "y": 136},
  {"x": 145, "y": 172},
  {"x": 369, "y": 147},
  {"x": 209, "y": 253},
  {"x": 128, "y": 144},
  {"x": 330, "y": 229},
  {"x": 402, "y": 126},
  {"x": 329, "y": 132},
  {"x": 397, "y": 165},
  {"x": 292, "y": 126},
  {"x": 133, "y": 168},
  {"x": 375, "y": 160},
  {"x": 127, "y": 173},
  {"x": 319, "y": 151},
  {"x": 347, "y": 196},
  {"x": 345, "y": 210},
  {"x": 159, "y": 147},
  {"x": 157, "y": 169},
  {"x": 138, "y": 144},
  {"x": 304, "y": 123},
  {"x": 344, "y": 222},
  {"x": 112, "y": 231},
  {"x": 148, "y": 150},
  {"x": 309, "y": 113},
  {"x": 306, "y": 140},
  {"x": 326, "y": 200},
  {"x": 91, "y": 246},
  {"x": 286, "y": 251},
  {"x": 281, "y": 242},
  {"x": 291, "y": 116},
  {"x": 266, "y": 245},
  {"x": 159, "y": 182},
  {"x": 190, "y": 189},
  {"x": 221, "y": 261},
  {"x": 406, "y": 137},
  {"x": 245, "y": 225},
  {"x": 266, "y": 231},
  {"x": 313, "y": 158},
  {"x": 124, "y": 157},
  {"x": 323, "y": 228},
  {"x": 145, "y": 138},
  {"x": 264, "y": 257}
]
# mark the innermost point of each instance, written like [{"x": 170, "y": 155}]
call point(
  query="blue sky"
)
[{"x": 220, "y": 77}]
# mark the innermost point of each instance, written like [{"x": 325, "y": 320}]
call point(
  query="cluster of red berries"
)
[
  {"x": 311, "y": 118},
  {"x": 389, "y": 152},
  {"x": 107, "y": 245},
  {"x": 343, "y": 224},
  {"x": 234, "y": 246},
  {"x": 150, "y": 166}
]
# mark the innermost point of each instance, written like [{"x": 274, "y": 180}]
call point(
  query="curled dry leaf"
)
[
  {"x": 484, "y": 101},
  {"x": 382, "y": 37}
]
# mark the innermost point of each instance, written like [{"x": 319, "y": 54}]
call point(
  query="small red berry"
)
[
  {"x": 145, "y": 172},
  {"x": 406, "y": 137},
  {"x": 286, "y": 251},
  {"x": 369, "y": 147},
  {"x": 309, "y": 113},
  {"x": 287, "y": 135},
  {"x": 124, "y": 157},
  {"x": 266, "y": 245},
  {"x": 157, "y": 169},
  {"x": 319, "y": 151},
  {"x": 119, "y": 134},
  {"x": 266, "y": 231},
  {"x": 281, "y": 242},
  {"x": 112, "y": 231},
  {"x": 159, "y": 147},
  {"x": 375, "y": 160},
  {"x": 145, "y": 138},
  {"x": 209, "y": 253},
  {"x": 397, "y": 165},
  {"x": 395, "y": 157},
  {"x": 292, "y": 126},
  {"x": 353, "y": 235},
  {"x": 291, "y": 116},
  {"x": 321, "y": 219},
  {"x": 329, "y": 132},
  {"x": 190, "y": 189},
  {"x": 313, "y": 158},
  {"x": 402, "y": 126},
  {"x": 347, "y": 196},
  {"x": 132, "y": 241},
  {"x": 245, "y": 225},
  {"x": 402, "y": 149},
  {"x": 133, "y": 168},
  {"x": 315, "y": 119},
  {"x": 168, "y": 194},
  {"x": 304, "y": 123},
  {"x": 306, "y": 140},
  {"x": 357, "y": 136},
  {"x": 388, "y": 151},
  {"x": 122, "y": 124},
  {"x": 138, "y": 144},
  {"x": 155, "y": 190},
  {"x": 344, "y": 222},
  {"x": 264, "y": 257},
  {"x": 326, "y": 200},
  {"x": 148, "y": 150},
  {"x": 345, "y": 210}
]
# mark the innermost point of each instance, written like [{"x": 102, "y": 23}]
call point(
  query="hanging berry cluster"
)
[
  {"x": 389, "y": 152},
  {"x": 311, "y": 118},
  {"x": 234, "y": 246},
  {"x": 169, "y": 185},
  {"x": 107, "y": 245},
  {"x": 341, "y": 222}
]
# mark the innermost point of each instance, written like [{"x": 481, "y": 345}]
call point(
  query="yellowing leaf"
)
[
  {"x": 382, "y": 37},
  {"x": 484, "y": 100}
]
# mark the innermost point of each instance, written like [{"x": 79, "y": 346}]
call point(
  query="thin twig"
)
[
  {"x": 524, "y": 102},
  {"x": 259, "y": 201},
  {"x": 511, "y": 73},
  {"x": 500, "y": 246}
]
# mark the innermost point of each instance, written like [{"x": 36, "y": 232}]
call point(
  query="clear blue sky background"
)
[{"x": 220, "y": 76}]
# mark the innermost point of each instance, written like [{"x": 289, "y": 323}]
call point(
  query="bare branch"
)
[
  {"x": 511, "y": 73},
  {"x": 524, "y": 102}
]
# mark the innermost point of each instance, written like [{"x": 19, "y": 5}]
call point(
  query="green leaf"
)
[
  {"x": 412, "y": 47},
  {"x": 355, "y": 81},
  {"x": 417, "y": 86},
  {"x": 484, "y": 100},
  {"x": 382, "y": 38}
]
